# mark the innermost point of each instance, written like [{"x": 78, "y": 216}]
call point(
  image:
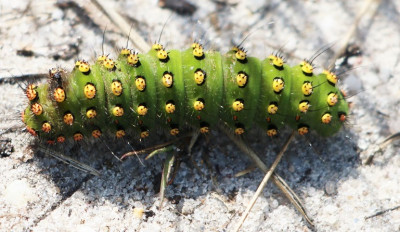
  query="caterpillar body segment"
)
[
  {"x": 246, "y": 95},
  {"x": 140, "y": 93},
  {"x": 209, "y": 90}
]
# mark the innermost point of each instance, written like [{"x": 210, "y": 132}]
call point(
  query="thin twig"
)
[
  {"x": 382, "y": 212},
  {"x": 264, "y": 181},
  {"x": 121, "y": 23},
  {"x": 69, "y": 160},
  {"x": 23, "y": 78},
  {"x": 381, "y": 146},
  {"x": 245, "y": 171},
  {"x": 389, "y": 140},
  {"x": 278, "y": 181}
]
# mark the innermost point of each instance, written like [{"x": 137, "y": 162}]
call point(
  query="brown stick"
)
[
  {"x": 264, "y": 182},
  {"x": 278, "y": 181}
]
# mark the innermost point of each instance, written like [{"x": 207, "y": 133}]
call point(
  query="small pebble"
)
[
  {"x": 330, "y": 188},
  {"x": 138, "y": 213}
]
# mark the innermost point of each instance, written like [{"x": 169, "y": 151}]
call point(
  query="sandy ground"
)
[{"x": 40, "y": 193}]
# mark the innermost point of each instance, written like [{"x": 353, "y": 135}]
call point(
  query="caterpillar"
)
[
  {"x": 139, "y": 93},
  {"x": 335, "y": 186}
]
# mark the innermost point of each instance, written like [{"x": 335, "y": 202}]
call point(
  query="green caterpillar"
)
[{"x": 139, "y": 93}]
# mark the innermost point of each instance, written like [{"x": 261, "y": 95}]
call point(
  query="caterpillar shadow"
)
[{"x": 132, "y": 183}]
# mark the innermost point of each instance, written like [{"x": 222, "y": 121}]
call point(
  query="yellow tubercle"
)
[
  {"x": 204, "y": 130},
  {"x": 89, "y": 91},
  {"x": 276, "y": 61},
  {"x": 272, "y": 132},
  {"x": 31, "y": 92},
  {"x": 133, "y": 58},
  {"x": 332, "y": 99},
  {"x": 68, "y": 119},
  {"x": 78, "y": 136},
  {"x": 91, "y": 113},
  {"x": 170, "y": 108},
  {"x": 120, "y": 133},
  {"x": 238, "y": 105},
  {"x": 83, "y": 67},
  {"x": 162, "y": 54},
  {"x": 278, "y": 84},
  {"x": 142, "y": 110},
  {"x": 144, "y": 134},
  {"x": 167, "y": 79},
  {"x": 306, "y": 67},
  {"x": 303, "y": 130},
  {"x": 101, "y": 59},
  {"x": 116, "y": 87},
  {"x": 307, "y": 88},
  {"x": 174, "y": 131},
  {"x": 96, "y": 133},
  {"x": 330, "y": 76},
  {"x": 157, "y": 46},
  {"x": 241, "y": 79},
  {"x": 198, "y": 51},
  {"x": 199, "y": 77},
  {"x": 198, "y": 105},
  {"x": 272, "y": 108},
  {"x": 36, "y": 109},
  {"x": 118, "y": 111},
  {"x": 304, "y": 106},
  {"x": 59, "y": 94},
  {"x": 125, "y": 52},
  {"x": 326, "y": 118},
  {"x": 46, "y": 127},
  {"x": 109, "y": 63},
  {"x": 239, "y": 131},
  {"x": 140, "y": 83},
  {"x": 240, "y": 54}
]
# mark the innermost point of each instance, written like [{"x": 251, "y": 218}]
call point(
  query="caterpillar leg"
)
[
  {"x": 174, "y": 150},
  {"x": 170, "y": 149},
  {"x": 204, "y": 157},
  {"x": 167, "y": 168},
  {"x": 154, "y": 148},
  {"x": 170, "y": 161},
  {"x": 173, "y": 159},
  {"x": 192, "y": 161}
]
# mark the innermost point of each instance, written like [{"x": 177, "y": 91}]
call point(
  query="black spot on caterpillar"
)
[{"x": 139, "y": 93}]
